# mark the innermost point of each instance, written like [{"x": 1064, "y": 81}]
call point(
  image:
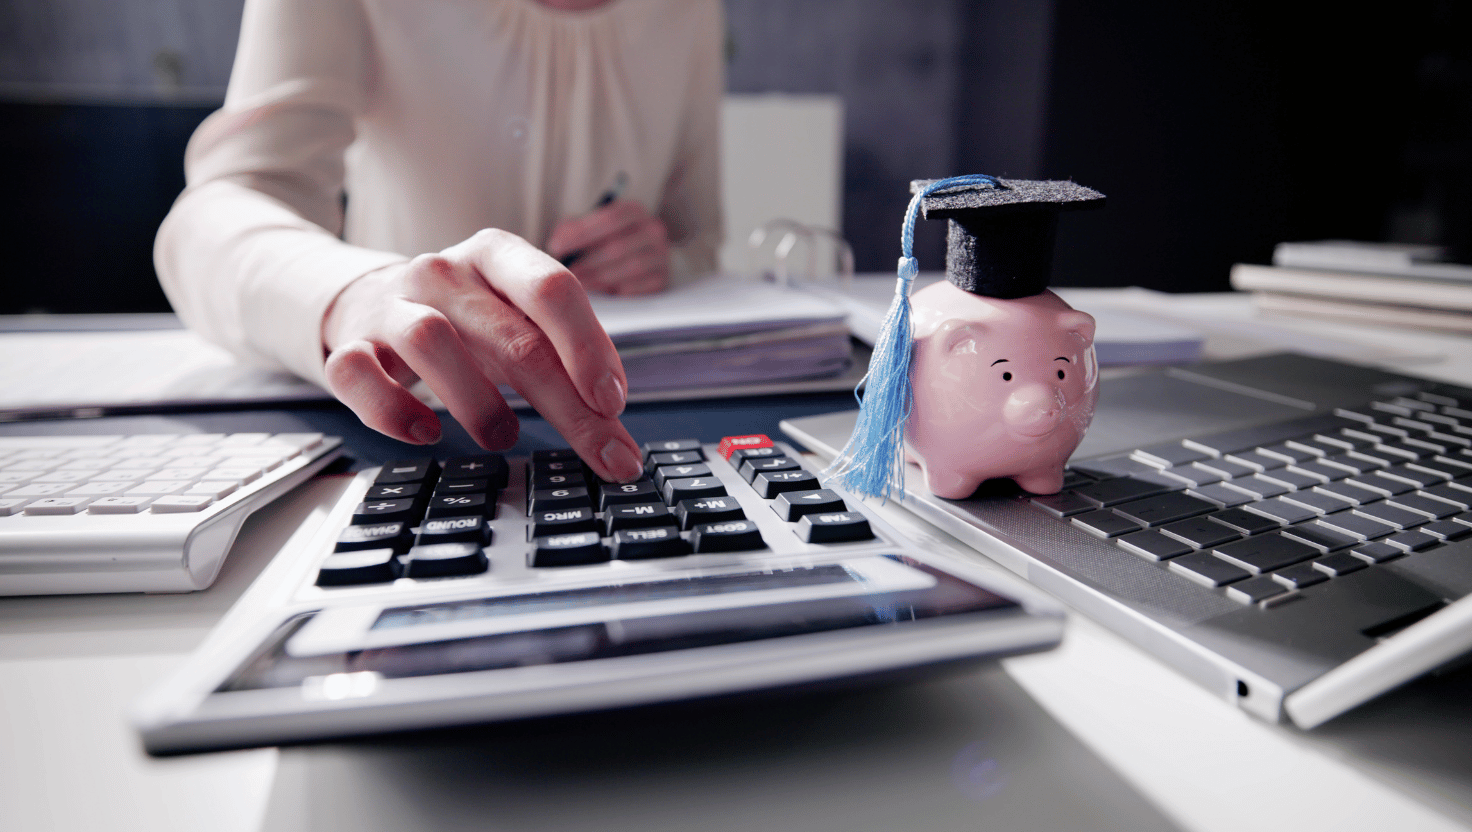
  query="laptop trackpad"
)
[{"x": 1154, "y": 407}]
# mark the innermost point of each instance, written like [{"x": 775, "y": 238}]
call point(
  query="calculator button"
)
[
  {"x": 491, "y": 467},
  {"x": 467, "y": 529},
  {"x": 730, "y": 444},
  {"x": 370, "y": 566},
  {"x": 692, "y": 513},
  {"x": 751, "y": 467},
  {"x": 658, "y": 542},
  {"x": 568, "y": 550},
  {"x": 407, "y": 470},
  {"x": 457, "y": 505},
  {"x": 444, "y": 560},
  {"x": 554, "y": 455},
  {"x": 377, "y": 536},
  {"x": 729, "y": 536},
  {"x": 551, "y": 499},
  {"x": 631, "y": 493},
  {"x": 640, "y": 516},
  {"x": 657, "y": 461},
  {"x": 665, "y": 473},
  {"x": 462, "y": 487},
  {"x": 670, "y": 446},
  {"x": 563, "y": 521},
  {"x": 834, "y": 527},
  {"x": 771, "y": 483},
  {"x": 384, "y": 511},
  {"x": 695, "y": 487},
  {"x": 393, "y": 491},
  {"x": 793, "y": 505},
  {"x": 543, "y": 480}
]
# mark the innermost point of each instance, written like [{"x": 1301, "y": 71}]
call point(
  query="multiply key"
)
[
  {"x": 393, "y": 491},
  {"x": 793, "y": 505},
  {"x": 771, "y": 483}
]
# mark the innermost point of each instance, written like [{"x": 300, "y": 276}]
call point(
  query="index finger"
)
[
  {"x": 590, "y": 229},
  {"x": 548, "y": 294}
]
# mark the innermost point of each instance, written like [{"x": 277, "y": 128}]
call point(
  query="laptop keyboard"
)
[
  {"x": 1264, "y": 512},
  {"x": 480, "y": 514}
]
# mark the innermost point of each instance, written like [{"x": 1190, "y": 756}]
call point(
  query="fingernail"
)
[
  {"x": 622, "y": 463},
  {"x": 504, "y": 434},
  {"x": 425, "y": 432},
  {"x": 609, "y": 393}
]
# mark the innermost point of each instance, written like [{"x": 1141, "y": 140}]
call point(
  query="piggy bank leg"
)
[
  {"x": 1045, "y": 481},
  {"x": 949, "y": 483}
]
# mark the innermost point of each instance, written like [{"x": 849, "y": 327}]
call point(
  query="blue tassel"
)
[{"x": 872, "y": 464}]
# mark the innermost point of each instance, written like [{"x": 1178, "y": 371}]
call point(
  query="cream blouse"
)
[{"x": 438, "y": 118}]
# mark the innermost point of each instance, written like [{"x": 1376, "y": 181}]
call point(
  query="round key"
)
[{"x": 468, "y": 529}]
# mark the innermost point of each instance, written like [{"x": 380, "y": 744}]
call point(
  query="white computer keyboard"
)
[{"x": 140, "y": 513}]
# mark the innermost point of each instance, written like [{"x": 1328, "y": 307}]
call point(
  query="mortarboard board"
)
[{"x": 999, "y": 243}]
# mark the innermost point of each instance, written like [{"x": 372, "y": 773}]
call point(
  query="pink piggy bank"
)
[{"x": 1002, "y": 388}]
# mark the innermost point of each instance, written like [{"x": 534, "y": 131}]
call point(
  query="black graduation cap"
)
[{"x": 1000, "y": 237}]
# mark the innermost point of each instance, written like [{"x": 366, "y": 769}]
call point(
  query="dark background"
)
[{"x": 1216, "y": 128}]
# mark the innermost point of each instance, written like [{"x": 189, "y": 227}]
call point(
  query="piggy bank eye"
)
[
  {"x": 1060, "y": 375},
  {"x": 1006, "y": 376}
]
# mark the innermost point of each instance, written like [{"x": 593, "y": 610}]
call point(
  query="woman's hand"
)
[
  {"x": 490, "y": 310},
  {"x": 621, "y": 249}
]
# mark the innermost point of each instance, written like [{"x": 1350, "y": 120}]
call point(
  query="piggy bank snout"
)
[{"x": 1034, "y": 409}]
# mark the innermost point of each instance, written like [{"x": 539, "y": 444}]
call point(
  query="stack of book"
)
[{"x": 1373, "y": 283}]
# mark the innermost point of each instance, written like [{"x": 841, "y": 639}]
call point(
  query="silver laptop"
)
[{"x": 1294, "y": 534}]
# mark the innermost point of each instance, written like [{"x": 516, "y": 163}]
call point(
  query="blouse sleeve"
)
[
  {"x": 249, "y": 255},
  {"x": 691, "y": 207}
]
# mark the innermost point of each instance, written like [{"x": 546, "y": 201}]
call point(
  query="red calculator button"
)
[{"x": 732, "y": 444}]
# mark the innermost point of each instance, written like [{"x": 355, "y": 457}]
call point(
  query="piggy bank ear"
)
[
  {"x": 957, "y": 337},
  {"x": 1078, "y": 323}
]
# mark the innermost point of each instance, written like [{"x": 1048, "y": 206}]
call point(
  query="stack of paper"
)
[{"x": 1377, "y": 283}]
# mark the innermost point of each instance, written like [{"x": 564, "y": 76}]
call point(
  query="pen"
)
[{"x": 613, "y": 192}]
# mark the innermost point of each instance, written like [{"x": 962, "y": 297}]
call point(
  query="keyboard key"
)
[
  {"x": 208, "y": 488},
  {"x": 1320, "y": 537},
  {"x": 1318, "y": 501},
  {"x": 52, "y": 489},
  {"x": 1113, "y": 467},
  {"x": 1153, "y": 545},
  {"x": 1319, "y": 471},
  {"x": 1258, "y": 486},
  {"x": 490, "y": 467},
  {"x": 1256, "y": 460},
  {"x": 792, "y": 505},
  {"x": 751, "y": 467},
  {"x": 1221, "y": 495},
  {"x": 1445, "y": 468},
  {"x": 458, "y": 505},
  {"x": 393, "y": 491},
  {"x": 370, "y": 566},
  {"x": 1355, "y": 525},
  {"x": 408, "y": 470},
  {"x": 1169, "y": 455},
  {"x": 1376, "y": 552},
  {"x": 235, "y": 473},
  {"x": 447, "y": 487},
  {"x": 57, "y": 505},
  {"x": 179, "y": 504},
  {"x": 1397, "y": 517},
  {"x": 771, "y": 483},
  {"x": 741, "y": 455},
  {"x": 637, "y": 516},
  {"x": 836, "y": 527},
  {"x": 1200, "y": 532},
  {"x": 693, "y": 488},
  {"x": 1349, "y": 491},
  {"x": 1120, "y": 490},
  {"x": 1265, "y": 553},
  {"x": 1225, "y": 468},
  {"x": 1384, "y": 486},
  {"x": 1292, "y": 479},
  {"x": 1419, "y": 477},
  {"x": 542, "y": 480},
  {"x": 385, "y": 511},
  {"x": 444, "y": 560},
  {"x": 563, "y": 521},
  {"x": 1289, "y": 453},
  {"x": 393, "y": 536},
  {"x": 1164, "y": 508},
  {"x": 730, "y": 444},
  {"x": 1342, "y": 563},
  {"x": 552, "y": 499},
  {"x": 657, "y": 461},
  {"x": 625, "y": 494},
  {"x": 1064, "y": 504},
  {"x": 113, "y": 505},
  {"x": 1193, "y": 474},
  {"x": 1447, "y": 530},
  {"x": 112, "y": 489},
  {"x": 1412, "y": 541},
  {"x": 666, "y": 446},
  {"x": 692, "y": 513},
  {"x": 1420, "y": 504},
  {"x": 1104, "y": 523},
  {"x": 1244, "y": 521},
  {"x": 728, "y": 536},
  {"x": 1207, "y": 569},
  {"x": 1253, "y": 590},
  {"x": 568, "y": 550},
  {"x": 1281, "y": 511},
  {"x": 1353, "y": 464},
  {"x": 1300, "y": 575},
  {"x": 468, "y": 529},
  {"x": 666, "y": 473},
  {"x": 657, "y": 542}
]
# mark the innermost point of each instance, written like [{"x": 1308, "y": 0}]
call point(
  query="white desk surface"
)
[{"x": 1093, "y": 735}]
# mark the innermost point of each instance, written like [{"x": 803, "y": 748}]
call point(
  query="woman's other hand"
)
[{"x": 620, "y": 249}]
